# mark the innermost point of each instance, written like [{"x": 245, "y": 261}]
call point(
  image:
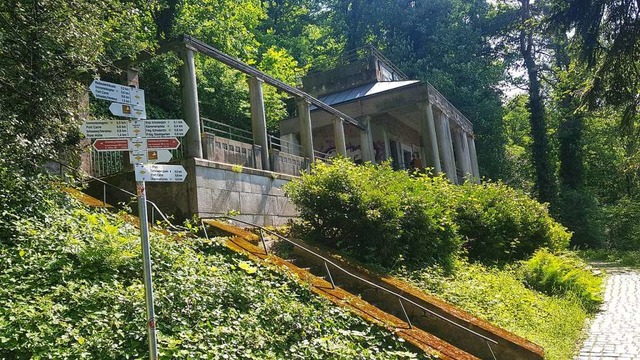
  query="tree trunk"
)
[{"x": 545, "y": 184}]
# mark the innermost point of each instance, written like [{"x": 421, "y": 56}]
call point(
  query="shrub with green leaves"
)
[
  {"x": 563, "y": 274},
  {"x": 501, "y": 224},
  {"x": 391, "y": 218},
  {"x": 376, "y": 214}
]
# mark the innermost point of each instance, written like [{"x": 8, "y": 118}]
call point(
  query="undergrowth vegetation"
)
[
  {"x": 563, "y": 275},
  {"x": 500, "y": 297},
  {"x": 71, "y": 288}
]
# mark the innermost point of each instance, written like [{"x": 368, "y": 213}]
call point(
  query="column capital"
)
[
  {"x": 424, "y": 104},
  {"x": 302, "y": 100},
  {"x": 256, "y": 79}
]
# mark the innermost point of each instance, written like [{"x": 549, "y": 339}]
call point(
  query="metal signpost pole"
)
[
  {"x": 139, "y": 137},
  {"x": 146, "y": 257}
]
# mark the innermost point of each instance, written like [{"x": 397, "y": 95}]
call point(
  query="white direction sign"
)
[
  {"x": 117, "y": 93},
  {"x": 101, "y": 129},
  {"x": 160, "y": 173},
  {"x": 150, "y": 157},
  {"x": 128, "y": 110},
  {"x": 159, "y": 128},
  {"x": 106, "y": 129}
]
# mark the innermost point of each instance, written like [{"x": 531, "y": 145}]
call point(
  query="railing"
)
[
  {"x": 328, "y": 262},
  {"x": 283, "y": 145},
  {"x": 225, "y": 130},
  {"x": 319, "y": 155},
  {"x": 153, "y": 208}
]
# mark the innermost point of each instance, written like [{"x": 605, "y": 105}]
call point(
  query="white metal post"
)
[{"x": 146, "y": 260}]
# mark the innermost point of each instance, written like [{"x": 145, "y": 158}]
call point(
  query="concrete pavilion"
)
[{"x": 401, "y": 117}]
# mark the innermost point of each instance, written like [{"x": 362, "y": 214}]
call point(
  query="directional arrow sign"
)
[
  {"x": 117, "y": 93},
  {"x": 106, "y": 129},
  {"x": 136, "y": 144},
  {"x": 163, "y": 143},
  {"x": 150, "y": 157},
  {"x": 128, "y": 110},
  {"x": 134, "y": 128},
  {"x": 111, "y": 144},
  {"x": 160, "y": 128},
  {"x": 161, "y": 173}
]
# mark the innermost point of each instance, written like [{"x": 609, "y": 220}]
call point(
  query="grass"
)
[{"x": 498, "y": 296}]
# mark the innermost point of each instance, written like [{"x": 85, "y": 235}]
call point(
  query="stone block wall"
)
[
  {"x": 210, "y": 189},
  {"x": 257, "y": 195}
]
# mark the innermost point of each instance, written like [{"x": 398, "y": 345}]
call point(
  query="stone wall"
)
[
  {"x": 210, "y": 189},
  {"x": 257, "y": 195}
]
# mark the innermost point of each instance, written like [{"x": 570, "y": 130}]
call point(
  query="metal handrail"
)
[
  {"x": 154, "y": 207},
  {"x": 231, "y": 131},
  {"x": 328, "y": 261},
  {"x": 278, "y": 143}
]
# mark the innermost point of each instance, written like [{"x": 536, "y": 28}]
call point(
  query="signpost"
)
[
  {"x": 100, "y": 129},
  {"x": 160, "y": 173},
  {"x": 149, "y": 142},
  {"x": 117, "y": 93},
  {"x": 128, "y": 110},
  {"x": 150, "y": 157},
  {"x": 136, "y": 144}
]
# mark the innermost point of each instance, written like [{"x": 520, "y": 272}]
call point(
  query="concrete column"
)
[
  {"x": 190, "y": 108},
  {"x": 306, "y": 133},
  {"x": 428, "y": 136},
  {"x": 366, "y": 140},
  {"x": 387, "y": 147},
  {"x": 462, "y": 153},
  {"x": 475, "y": 171},
  {"x": 259, "y": 120},
  {"x": 444, "y": 146},
  {"x": 338, "y": 137},
  {"x": 450, "y": 143}
]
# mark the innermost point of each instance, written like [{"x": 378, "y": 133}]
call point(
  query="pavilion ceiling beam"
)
[{"x": 209, "y": 50}]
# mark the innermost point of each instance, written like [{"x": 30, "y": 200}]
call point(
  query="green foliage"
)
[
  {"x": 578, "y": 210},
  {"x": 48, "y": 49},
  {"x": 502, "y": 224},
  {"x": 498, "y": 296},
  {"x": 70, "y": 287},
  {"x": 564, "y": 275},
  {"x": 623, "y": 225},
  {"x": 419, "y": 220},
  {"x": 518, "y": 148},
  {"x": 376, "y": 214}
]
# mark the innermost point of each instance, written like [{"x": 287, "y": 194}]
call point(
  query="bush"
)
[
  {"x": 501, "y": 224},
  {"x": 376, "y": 214},
  {"x": 390, "y": 218},
  {"x": 562, "y": 275}
]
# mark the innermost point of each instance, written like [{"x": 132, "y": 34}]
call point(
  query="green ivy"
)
[{"x": 71, "y": 288}]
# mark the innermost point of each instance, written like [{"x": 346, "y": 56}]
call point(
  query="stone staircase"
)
[{"x": 424, "y": 321}]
